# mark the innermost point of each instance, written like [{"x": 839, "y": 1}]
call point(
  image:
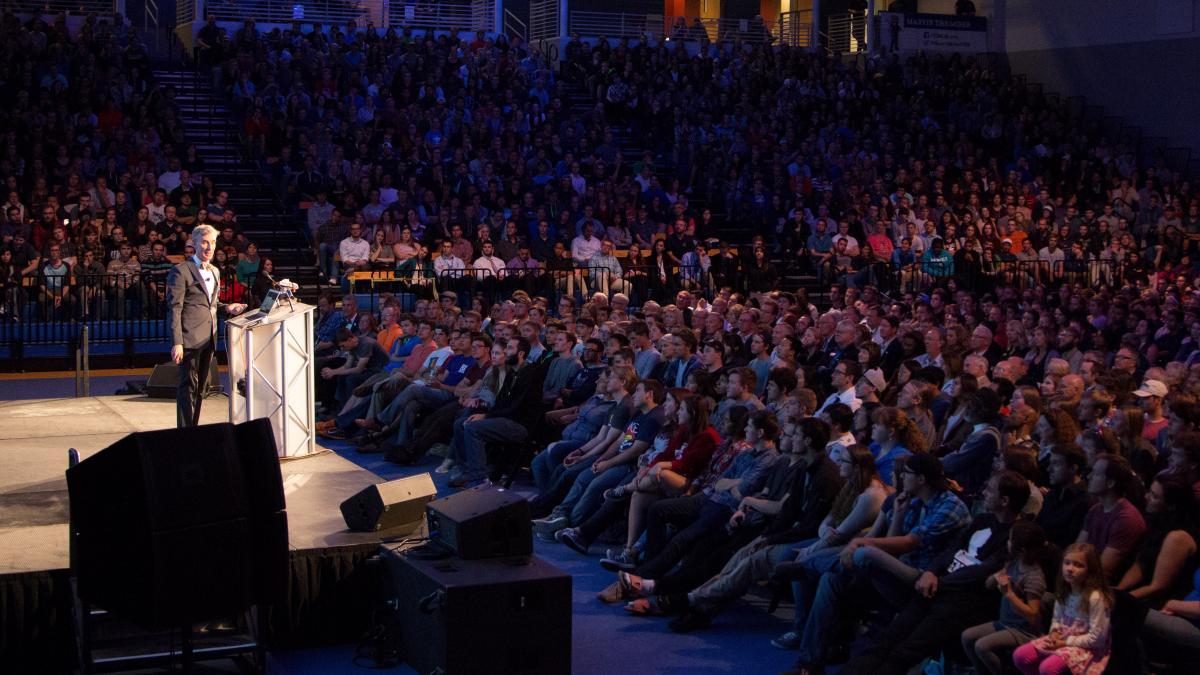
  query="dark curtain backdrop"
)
[{"x": 330, "y": 595}]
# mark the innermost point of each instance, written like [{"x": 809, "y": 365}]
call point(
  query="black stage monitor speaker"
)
[
  {"x": 483, "y": 522},
  {"x": 396, "y": 504},
  {"x": 180, "y": 525},
  {"x": 164, "y": 380},
  {"x": 468, "y": 617}
]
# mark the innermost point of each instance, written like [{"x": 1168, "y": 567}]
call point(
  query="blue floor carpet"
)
[{"x": 606, "y": 639}]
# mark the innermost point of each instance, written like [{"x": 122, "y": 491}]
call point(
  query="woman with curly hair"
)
[
  {"x": 1054, "y": 429},
  {"x": 893, "y": 435},
  {"x": 1128, "y": 423}
]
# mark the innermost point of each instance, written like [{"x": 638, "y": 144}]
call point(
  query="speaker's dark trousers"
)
[{"x": 193, "y": 378}]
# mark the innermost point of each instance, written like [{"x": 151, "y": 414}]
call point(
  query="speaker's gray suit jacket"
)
[{"x": 193, "y": 314}]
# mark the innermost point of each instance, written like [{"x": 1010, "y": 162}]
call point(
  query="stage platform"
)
[{"x": 35, "y": 436}]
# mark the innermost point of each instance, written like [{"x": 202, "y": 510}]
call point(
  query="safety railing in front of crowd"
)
[
  {"x": 50, "y": 309},
  {"x": 639, "y": 283},
  {"x": 430, "y": 15},
  {"x": 981, "y": 276},
  {"x": 410, "y": 283},
  {"x": 657, "y": 26},
  {"x": 43, "y": 305},
  {"x": 614, "y": 24},
  {"x": 286, "y": 11},
  {"x": 750, "y": 31},
  {"x": 101, "y": 8}
]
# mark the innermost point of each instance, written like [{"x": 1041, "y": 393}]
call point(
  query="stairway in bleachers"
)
[{"x": 275, "y": 228}]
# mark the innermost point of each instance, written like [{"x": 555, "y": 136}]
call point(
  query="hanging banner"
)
[{"x": 932, "y": 33}]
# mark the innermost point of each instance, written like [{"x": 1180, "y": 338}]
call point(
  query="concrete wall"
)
[
  {"x": 1140, "y": 60},
  {"x": 1034, "y": 25}
]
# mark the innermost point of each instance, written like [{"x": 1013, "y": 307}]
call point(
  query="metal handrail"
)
[
  {"x": 720, "y": 30},
  {"x": 83, "y": 368},
  {"x": 514, "y": 26},
  {"x": 150, "y": 23},
  {"x": 846, "y": 33},
  {"x": 555, "y": 283},
  {"x": 924, "y": 275},
  {"x": 56, "y": 7},
  {"x": 428, "y": 14},
  {"x": 795, "y": 28},
  {"x": 615, "y": 24},
  {"x": 543, "y": 20},
  {"x": 114, "y": 307},
  {"x": 658, "y": 26},
  {"x": 185, "y": 12},
  {"x": 286, "y": 11},
  {"x": 484, "y": 15}
]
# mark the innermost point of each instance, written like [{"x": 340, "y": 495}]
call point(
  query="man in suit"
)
[
  {"x": 195, "y": 289},
  {"x": 843, "y": 347},
  {"x": 891, "y": 351},
  {"x": 983, "y": 344}
]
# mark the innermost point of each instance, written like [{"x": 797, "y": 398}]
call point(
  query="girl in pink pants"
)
[{"x": 1079, "y": 637}]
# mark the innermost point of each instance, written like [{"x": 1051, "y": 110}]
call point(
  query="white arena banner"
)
[{"x": 932, "y": 33}]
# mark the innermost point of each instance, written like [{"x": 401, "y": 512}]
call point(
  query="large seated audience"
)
[
  {"x": 976, "y": 435},
  {"x": 101, "y": 186},
  {"x": 986, "y": 429}
]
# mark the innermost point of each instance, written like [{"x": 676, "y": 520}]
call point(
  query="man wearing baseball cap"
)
[
  {"x": 870, "y": 386},
  {"x": 1152, "y": 393}
]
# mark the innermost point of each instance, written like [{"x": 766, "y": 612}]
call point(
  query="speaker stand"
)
[
  {"x": 125, "y": 647},
  {"x": 185, "y": 647}
]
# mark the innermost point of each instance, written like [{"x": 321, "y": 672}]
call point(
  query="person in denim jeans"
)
[
  {"x": 925, "y": 517},
  {"x": 856, "y": 507},
  {"x": 517, "y": 409},
  {"x": 565, "y": 470},
  {"x": 615, "y": 465},
  {"x": 949, "y": 595},
  {"x": 593, "y": 413},
  {"x": 720, "y": 507}
]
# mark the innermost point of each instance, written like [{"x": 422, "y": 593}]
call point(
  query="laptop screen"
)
[{"x": 269, "y": 301}]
